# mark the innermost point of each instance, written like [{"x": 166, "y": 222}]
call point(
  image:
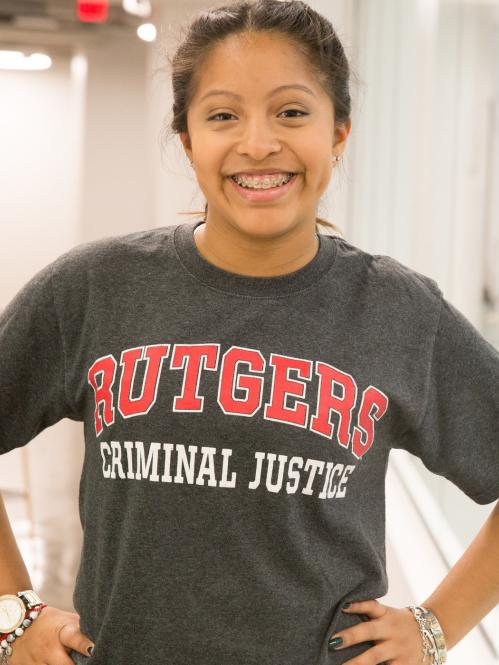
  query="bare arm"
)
[
  {"x": 55, "y": 632},
  {"x": 14, "y": 575},
  {"x": 471, "y": 588}
]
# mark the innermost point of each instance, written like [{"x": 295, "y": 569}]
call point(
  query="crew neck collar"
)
[{"x": 247, "y": 285}]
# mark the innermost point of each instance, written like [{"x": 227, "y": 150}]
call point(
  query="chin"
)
[{"x": 261, "y": 227}]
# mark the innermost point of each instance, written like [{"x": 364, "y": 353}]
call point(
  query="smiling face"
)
[{"x": 259, "y": 127}]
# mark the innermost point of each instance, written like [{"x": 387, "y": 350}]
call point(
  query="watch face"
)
[{"x": 12, "y": 613}]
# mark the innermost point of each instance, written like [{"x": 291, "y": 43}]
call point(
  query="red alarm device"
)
[{"x": 93, "y": 11}]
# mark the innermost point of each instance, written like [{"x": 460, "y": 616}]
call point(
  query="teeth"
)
[{"x": 265, "y": 183}]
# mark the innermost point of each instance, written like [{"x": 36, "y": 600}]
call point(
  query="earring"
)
[{"x": 336, "y": 158}]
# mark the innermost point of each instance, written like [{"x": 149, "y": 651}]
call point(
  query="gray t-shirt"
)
[{"x": 237, "y": 434}]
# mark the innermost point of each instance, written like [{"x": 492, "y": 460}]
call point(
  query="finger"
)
[
  {"x": 61, "y": 658},
  {"x": 361, "y": 632},
  {"x": 55, "y": 658},
  {"x": 372, "y": 608},
  {"x": 378, "y": 654},
  {"x": 71, "y": 636}
]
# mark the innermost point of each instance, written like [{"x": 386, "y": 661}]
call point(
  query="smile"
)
[{"x": 265, "y": 193}]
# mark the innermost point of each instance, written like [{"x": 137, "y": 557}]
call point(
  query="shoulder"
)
[
  {"x": 390, "y": 279},
  {"x": 111, "y": 253}
]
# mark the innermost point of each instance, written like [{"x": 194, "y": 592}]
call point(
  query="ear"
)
[
  {"x": 186, "y": 142},
  {"x": 341, "y": 133}
]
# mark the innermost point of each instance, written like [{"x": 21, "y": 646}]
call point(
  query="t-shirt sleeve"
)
[
  {"x": 32, "y": 365},
  {"x": 458, "y": 432}
]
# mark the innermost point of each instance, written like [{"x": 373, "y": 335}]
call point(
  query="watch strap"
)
[{"x": 30, "y": 598}]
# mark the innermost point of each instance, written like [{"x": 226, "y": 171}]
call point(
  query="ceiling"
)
[
  {"x": 39, "y": 23},
  {"x": 55, "y": 23}
]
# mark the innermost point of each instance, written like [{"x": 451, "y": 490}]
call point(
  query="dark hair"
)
[{"x": 309, "y": 31}]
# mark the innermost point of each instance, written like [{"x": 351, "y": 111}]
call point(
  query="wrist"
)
[
  {"x": 17, "y": 613},
  {"x": 432, "y": 635}
]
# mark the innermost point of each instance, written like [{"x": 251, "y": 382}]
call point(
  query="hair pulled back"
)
[{"x": 309, "y": 31}]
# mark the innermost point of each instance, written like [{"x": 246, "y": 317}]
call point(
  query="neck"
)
[{"x": 235, "y": 252}]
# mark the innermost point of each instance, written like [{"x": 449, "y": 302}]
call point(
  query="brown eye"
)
[
  {"x": 295, "y": 111},
  {"x": 219, "y": 114}
]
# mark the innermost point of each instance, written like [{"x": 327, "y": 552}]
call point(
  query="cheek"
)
[
  {"x": 322, "y": 175},
  {"x": 209, "y": 173},
  {"x": 318, "y": 169},
  {"x": 210, "y": 153},
  {"x": 316, "y": 158},
  {"x": 208, "y": 180}
]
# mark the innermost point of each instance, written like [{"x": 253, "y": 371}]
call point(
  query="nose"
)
[{"x": 258, "y": 139}]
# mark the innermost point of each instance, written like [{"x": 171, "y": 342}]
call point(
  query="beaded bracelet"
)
[
  {"x": 431, "y": 633},
  {"x": 6, "y": 639}
]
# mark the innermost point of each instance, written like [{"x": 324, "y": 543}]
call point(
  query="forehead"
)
[{"x": 267, "y": 60}]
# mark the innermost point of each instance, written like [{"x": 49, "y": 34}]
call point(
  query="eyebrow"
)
[{"x": 272, "y": 92}]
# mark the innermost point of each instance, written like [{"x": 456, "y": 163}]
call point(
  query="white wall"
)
[
  {"x": 175, "y": 186},
  {"x": 492, "y": 159},
  {"x": 38, "y": 167},
  {"x": 117, "y": 187},
  {"x": 417, "y": 169}
]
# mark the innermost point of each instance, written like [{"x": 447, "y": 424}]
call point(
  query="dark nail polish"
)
[
  {"x": 90, "y": 650},
  {"x": 345, "y": 605},
  {"x": 335, "y": 642}
]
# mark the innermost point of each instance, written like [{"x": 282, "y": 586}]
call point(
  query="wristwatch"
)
[{"x": 13, "y": 609}]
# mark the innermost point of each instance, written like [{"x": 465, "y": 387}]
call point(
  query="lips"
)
[{"x": 261, "y": 175}]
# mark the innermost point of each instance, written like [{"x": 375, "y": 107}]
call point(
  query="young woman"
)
[{"x": 242, "y": 379}]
